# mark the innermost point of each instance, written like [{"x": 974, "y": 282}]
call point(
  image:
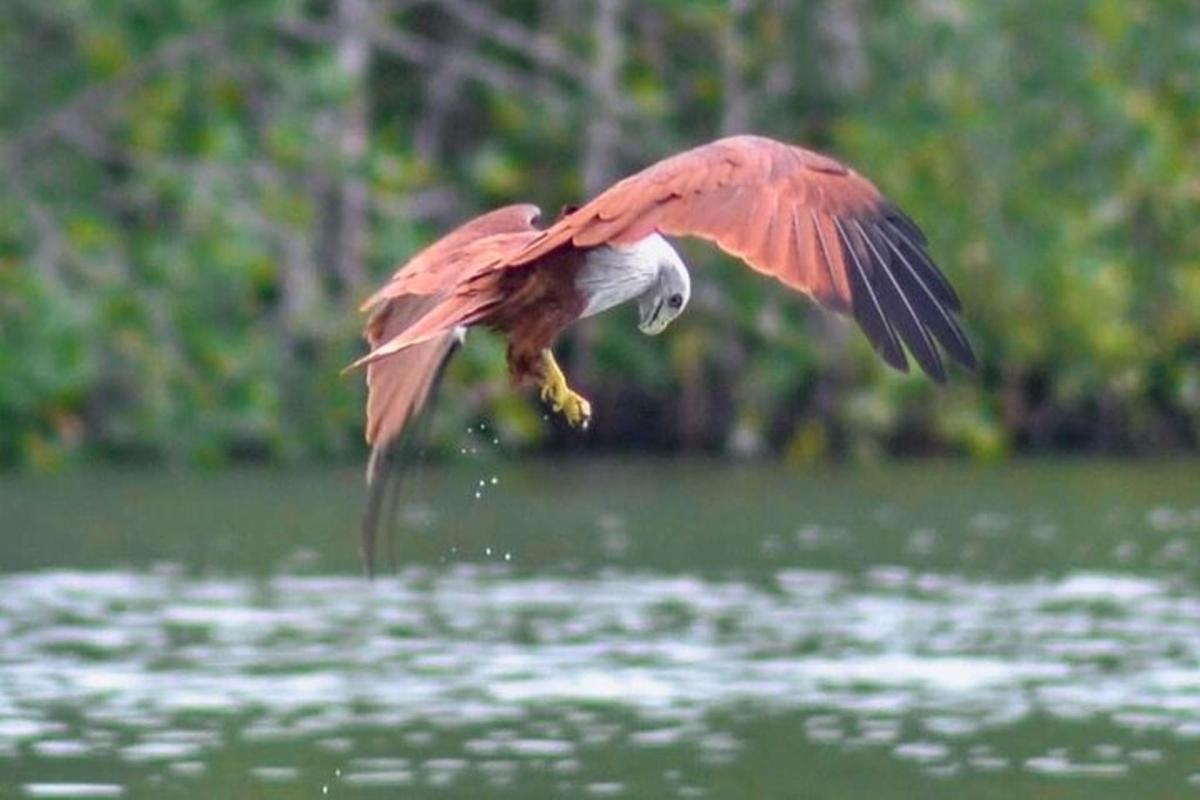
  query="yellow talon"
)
[
  {"x": 556, "y": 392},
  {"x": 577, "y": 410}
]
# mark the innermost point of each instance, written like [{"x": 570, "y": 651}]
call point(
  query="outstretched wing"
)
[
  {"x": 440, "y": 266},
  {"x": 399, "y": 387},
  {"x": 801, "y": 217},
  {"x": 423, "y": 292},
  {"x": 453, "y": 271}
]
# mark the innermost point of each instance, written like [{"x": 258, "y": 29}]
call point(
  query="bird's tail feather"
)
[
  {"x": 398, "y": 388},
  {"x": 438, "y": 322},
  {"x": 389, "y": 465}
]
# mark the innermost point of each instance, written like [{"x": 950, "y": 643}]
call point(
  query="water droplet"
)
[
  {"x": 487, "y": 551},
  {"x": 508, "y": 556},
  {"x": 478, "y": 495},
  {"x": 495, "y": 480}
]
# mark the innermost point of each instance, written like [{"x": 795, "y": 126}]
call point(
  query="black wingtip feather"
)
[
  {"x": 866, "y": 305},
  {"x": 905, "y": 223},
  {"x": 901, "y": 311},
  {"x": 939, "y": 322},
  {"x": 935, "y": 307},
  {"x": 898, "y": 293},
  {"x": 920, "y": 260},
  {"x": 966, "y": 356}
]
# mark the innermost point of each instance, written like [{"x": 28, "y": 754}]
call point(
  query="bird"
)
[{"x": 796, "y": 215}]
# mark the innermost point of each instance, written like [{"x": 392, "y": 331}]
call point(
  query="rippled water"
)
[{"x": 901, "y": 668}]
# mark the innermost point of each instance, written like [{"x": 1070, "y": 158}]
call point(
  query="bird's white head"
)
[{"x": 668, "y": 294}]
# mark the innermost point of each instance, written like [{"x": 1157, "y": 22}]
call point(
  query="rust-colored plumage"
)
[
  {"x": 399, "y": 386},
  {"x": 798, "y": 216}
]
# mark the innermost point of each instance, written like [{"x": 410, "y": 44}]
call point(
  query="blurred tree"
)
[{"x": 197, "y": 194}]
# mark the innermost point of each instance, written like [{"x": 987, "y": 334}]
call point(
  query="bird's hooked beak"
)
[{"x": 651, "y": 320}]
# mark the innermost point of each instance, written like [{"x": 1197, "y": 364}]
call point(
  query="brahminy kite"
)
[{"x": 801, "y": 217}]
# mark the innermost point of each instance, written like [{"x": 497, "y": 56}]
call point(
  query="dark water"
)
[{"x": 651, "y": 629}]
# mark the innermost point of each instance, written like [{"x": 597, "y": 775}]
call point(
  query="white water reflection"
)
[
  {"x": 305, "y": 656},
  {"x": 76, "y": 791}
]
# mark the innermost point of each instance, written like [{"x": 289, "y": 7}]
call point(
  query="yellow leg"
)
[{"x": 558, "y": 394}]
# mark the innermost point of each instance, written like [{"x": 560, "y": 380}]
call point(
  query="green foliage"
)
[{"x": 173, "y": 234}]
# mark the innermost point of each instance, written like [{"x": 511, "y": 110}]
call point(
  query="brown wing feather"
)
[
  {"x": 449, "y": 271},
  {"x": 470, "y": 295},
  {"x": 801, "y": 217},
  {"x": 398, "y": 387},
  {"x": 422, "y": 294},
  {"x": 439, "y": 266}
]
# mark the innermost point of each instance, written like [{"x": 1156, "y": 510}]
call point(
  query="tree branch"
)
[
  {"x": 603, "y": 127},
  {"x": 100, "y": 98},
  {"x": 534, "y": 45},
  {"x": 351, "y": 196},
  {"x": 424, "y": 53},
  {"x": 735, "y": 111}
]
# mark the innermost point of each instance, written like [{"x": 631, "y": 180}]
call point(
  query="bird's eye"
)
[{"x": 675, "y": 300}]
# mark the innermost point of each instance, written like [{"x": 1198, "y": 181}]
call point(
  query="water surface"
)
[{"x": 606, "y": 629}]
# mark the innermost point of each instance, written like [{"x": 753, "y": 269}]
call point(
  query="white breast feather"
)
[{"x": 615, "y": 275}]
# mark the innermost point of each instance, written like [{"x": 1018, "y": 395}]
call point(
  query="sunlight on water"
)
[
  {"x": 73, "y": 790},
  {"x": 925, "y": 631},
  {"x": 151, "y": 666}
]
